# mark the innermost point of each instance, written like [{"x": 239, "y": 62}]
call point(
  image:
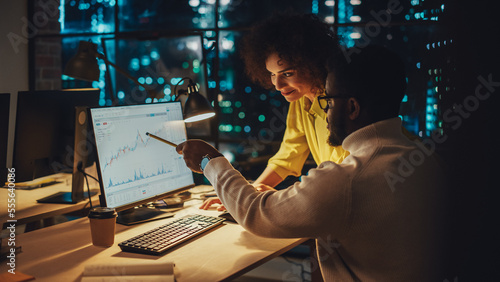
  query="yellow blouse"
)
[{"x": 306, "y": 132}]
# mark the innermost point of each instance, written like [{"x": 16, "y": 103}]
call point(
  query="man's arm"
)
[
  {"x": 310, "y": 208},
  {"x": 306, "y": 209}
]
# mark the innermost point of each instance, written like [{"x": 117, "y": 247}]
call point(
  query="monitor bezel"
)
[{"x": 102, "y": 196}]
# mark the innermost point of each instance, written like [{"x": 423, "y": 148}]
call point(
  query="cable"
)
[
  {"x": 79, "y": 167},
  {"x": 88, "y": 190},
  {"x": 86, "y": 174},
  {"x": 175, "y": 88},
  {"x": 303, "y": 272}
]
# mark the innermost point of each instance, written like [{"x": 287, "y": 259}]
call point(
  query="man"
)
[{"x": 375, "y": 216}]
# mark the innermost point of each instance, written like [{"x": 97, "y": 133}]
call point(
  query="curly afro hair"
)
[{"x": 302, "y": 40}]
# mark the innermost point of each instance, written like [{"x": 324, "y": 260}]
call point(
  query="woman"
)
[{"x": 288, "y": 52}]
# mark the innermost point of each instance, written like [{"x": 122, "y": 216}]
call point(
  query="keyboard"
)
[{"x": 159, "y": 240}]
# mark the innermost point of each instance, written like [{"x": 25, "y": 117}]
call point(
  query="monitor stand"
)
[
  {"x": 64, "y": 198},
  {"x": 140, "y": 215}
]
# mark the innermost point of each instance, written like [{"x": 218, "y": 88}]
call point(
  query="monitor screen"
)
[{"x": 133, "y": 167}]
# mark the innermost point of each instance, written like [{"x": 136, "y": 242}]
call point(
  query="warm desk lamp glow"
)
[{"x": 196, "y": 107}]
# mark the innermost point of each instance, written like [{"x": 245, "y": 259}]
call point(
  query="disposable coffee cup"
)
[{"x": 102, "y": 226}]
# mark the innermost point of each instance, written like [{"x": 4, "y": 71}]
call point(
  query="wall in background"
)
[
  {"x": 14, "y": 34},
  {"x": 13, "y": 46}
]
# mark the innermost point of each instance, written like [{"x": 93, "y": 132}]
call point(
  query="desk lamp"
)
[
  {"x": 196, "y": 107},
  {"x": 84, "y": 66}
]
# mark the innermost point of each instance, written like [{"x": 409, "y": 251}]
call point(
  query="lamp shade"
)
[
  {"x": 197, "y": 108},
  {"x": 84, "y": 64}
]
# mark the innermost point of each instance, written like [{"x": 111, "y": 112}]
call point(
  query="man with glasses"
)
[{"x": 377, "y": 215}]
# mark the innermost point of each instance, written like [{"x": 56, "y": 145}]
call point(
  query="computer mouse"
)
[{"x": 228, "y": 216}]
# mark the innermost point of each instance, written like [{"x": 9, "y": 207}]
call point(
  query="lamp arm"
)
[
  {"x": 185, "y": 92},
  {"x": 124, "y": 73}
]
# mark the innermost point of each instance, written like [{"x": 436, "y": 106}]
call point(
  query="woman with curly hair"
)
[{"x": 288, "y": 52}]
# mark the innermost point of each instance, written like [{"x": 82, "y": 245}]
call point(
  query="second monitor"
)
[{"x": 46, "y": 123}]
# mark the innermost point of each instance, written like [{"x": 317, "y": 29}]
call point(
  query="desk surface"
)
[
  {"x": 28, "y": 210},
  {"x": 60, "y": 252}
]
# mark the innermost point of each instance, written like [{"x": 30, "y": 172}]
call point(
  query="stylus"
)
[{"x": 161, "y": 139}]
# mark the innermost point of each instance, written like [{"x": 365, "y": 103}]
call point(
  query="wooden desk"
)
[
  {"x": 60, "y": 252},
  {"x": 27, "y": 209}
]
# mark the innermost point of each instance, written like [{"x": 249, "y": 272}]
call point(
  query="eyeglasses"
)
[{"x": 323, "y": 101}]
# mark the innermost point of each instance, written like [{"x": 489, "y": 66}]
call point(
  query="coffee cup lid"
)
[{"x": 102, "y": 212}]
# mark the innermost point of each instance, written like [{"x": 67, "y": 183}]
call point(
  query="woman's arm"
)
[{"x": 268, "y": 177}]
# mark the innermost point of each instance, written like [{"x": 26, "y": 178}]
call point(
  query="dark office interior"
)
[{"x": 450, "y": 49}]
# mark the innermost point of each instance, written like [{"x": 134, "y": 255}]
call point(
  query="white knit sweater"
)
[{"x": 374, "y": 216}]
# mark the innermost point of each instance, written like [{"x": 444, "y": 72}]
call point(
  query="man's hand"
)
[
  {"x": 212, "y": 201},
  {"x": 194, "y": 150},
  {"x": 207, "y": 204}
]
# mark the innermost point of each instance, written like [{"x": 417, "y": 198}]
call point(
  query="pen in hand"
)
[{"x": 161, "y": 139}]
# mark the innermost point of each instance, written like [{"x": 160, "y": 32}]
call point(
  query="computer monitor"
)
[
  {"x": 4, "y": 133},
  {"x": 44, "y": 137},
  {"x": 134, "y": 168}
]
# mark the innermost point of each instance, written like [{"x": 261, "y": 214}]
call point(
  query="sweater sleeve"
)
[
  {"x": 294, "y": 149},
  {"x": 308, "y": 209}
]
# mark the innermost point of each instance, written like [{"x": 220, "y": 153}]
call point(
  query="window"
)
[{"x": 152, "y": 38}]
